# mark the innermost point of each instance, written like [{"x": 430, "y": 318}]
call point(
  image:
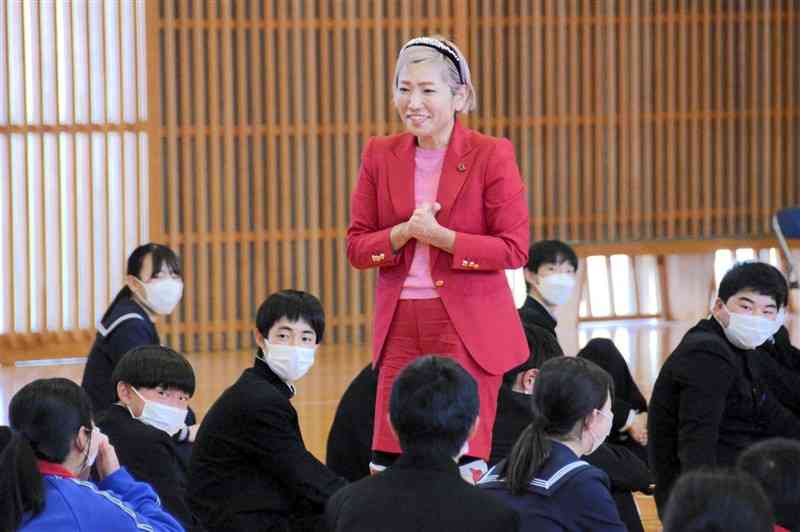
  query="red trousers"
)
[{"x": 422, "y": 327}]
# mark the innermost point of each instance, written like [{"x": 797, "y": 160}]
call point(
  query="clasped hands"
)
[{"x": 423, "y": 225}]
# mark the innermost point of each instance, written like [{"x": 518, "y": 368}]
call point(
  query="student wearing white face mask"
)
[
  {"x": 51, "y": 447},
  {"x": 712, "y": 397},
  {"x": 545, "y": 478},
  {"x": 154, "y": 385},
  {"x": 551, "y": 274},
  {"x": 249, "y": 444},
  {"x": 153, "y": 288}
]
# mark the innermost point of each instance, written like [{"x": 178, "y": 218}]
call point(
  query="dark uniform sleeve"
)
[
  {"x": 281, "y": 451},
  {"x": 159, "y": 469},
  {"x": 625, "y": 470},
  {"x": 705, "y": 383},
  {"x": 597, "y": 509}
]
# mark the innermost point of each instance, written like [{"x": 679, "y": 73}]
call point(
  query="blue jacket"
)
[
  {"x": 567, "y": 494},
  {"x": 116, "y": 504}
]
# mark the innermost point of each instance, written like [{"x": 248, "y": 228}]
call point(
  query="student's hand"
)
[
  {"x": 193, "y": 432},
  {"x": 107, "y": 461},
  {"x": 423, "y": 225},
  {"x": 638, "y": 429}
]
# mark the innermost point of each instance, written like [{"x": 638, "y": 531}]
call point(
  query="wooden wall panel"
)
[
  {"x": 72, "y": 183},
  {"x": 638, "y": 124},
  {"x": 664, "y": 123}
]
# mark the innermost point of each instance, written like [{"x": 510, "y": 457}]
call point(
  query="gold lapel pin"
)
[{"x": 461, "y": 167}]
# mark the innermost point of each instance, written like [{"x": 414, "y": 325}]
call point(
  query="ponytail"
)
[
  {"x": 21, "y": 487},
  {"x": 530, "y": 451}
]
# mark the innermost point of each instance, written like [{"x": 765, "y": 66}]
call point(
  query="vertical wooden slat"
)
[
  {"x": 636, "y": 144},
  {"x": 106, "y": 169},
  {"x": 284, "y": 157},
  {"x": 229, "y": 299},
  {"x": 326, "y": 163},
  {"x": 272, "y": 153},
  {"x": 171, "y": 179},
  {"x": 792, "y": 190},
  {"x": 525, "y": 145},
  {"x": 601, "y": 110},
  {"x": 202, "y": 133},
  {"x": 560, "y": 130},
  {"x": 706, "y": 196},
  {"x": 24, "y": 28},
  {"x": 216, "y": 176},
  {"x": 259, "y": 133},
  {"x": 298, "y": 243},
  {"x": 122, "y": 164},
  {"x": 732, "y": 169},
  {"x": 44, "y": 281},
  {"x": 246, "y": 122},
  {"x": 621, "y": 201},
  {"x": 671, "y": 153},
  {"x": 588, "y": 73},
  {"x": 351, "y": 168},
  {"x": 188, "y": 179},
  {"x": 572, "y": 225},
  {"x": 11, "y": 301},
  {"x": 60, "y": 318}
]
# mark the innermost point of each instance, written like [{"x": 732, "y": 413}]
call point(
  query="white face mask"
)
[
  {"x": 596, "y": 440},
  {"x": 748, "y": 332},
  {"x": 556, "y": 288},
  {"x": 162, "y": 295},
  {"x": 167, "y": 418},
  {"x": 289, "y": 362},
  {"x": 94, "y": 448}
]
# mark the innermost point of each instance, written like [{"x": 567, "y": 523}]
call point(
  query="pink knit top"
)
[{"x": 428, "y": 168}]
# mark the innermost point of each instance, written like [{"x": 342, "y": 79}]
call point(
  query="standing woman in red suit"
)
[{"x": 440, "y": 210}]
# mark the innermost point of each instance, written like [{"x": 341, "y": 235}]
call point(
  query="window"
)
[{"x": 73, "y": 158}]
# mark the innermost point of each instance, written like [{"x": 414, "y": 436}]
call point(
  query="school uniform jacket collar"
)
[
  {"x": 427, "y": 462},
  {"x": 560, "y": 467},
  {"x": 455, "y": 171},
  {"x": 261, "y": 370}
]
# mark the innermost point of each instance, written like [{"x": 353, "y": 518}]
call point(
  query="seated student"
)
[
  {"x": 551, "y": 276},
  {"x": 53, "y": 444},
  {"x": 153, "y": 287},
  {"x": 349, "y": 449},
  {"x": 544, "y": 479},
  {"x": 775, "y": 464},
  {"x": 250, "y": 469},
  {"x": 154, "y": 385},
  {"x": 709, "y": 402},
  {"x": 715, "y": 501},
  {"x": 433, "y": 409},
  {"x": 626, "y": 471}
]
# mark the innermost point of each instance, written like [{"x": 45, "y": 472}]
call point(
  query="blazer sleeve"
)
[
  {"x": 281, "y": 451},
  {"x": 704, "y": 389},
  {"x": 368, "y": 244},
  {"x": 505, "y": 208}
]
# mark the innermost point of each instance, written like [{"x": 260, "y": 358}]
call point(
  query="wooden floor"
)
[{"x": 645, "y": 345}]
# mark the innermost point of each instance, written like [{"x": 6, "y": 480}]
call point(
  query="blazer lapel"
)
[
  {"x": 401, "y": 176},
  {"x": 455, "y": 170}
]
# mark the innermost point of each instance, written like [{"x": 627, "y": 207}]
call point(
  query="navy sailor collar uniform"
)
[{"x": 566, "y": 494}]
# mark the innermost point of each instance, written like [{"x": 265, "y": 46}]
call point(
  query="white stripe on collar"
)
[
  {"x": 125, "y": 317},
  {"x": 558, "y": 475}
]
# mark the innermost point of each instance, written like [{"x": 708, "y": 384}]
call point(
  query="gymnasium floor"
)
[{"x": 645, "y": 344}]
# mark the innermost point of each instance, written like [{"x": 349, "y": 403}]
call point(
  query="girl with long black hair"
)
[{"x": 53, "y": 444}]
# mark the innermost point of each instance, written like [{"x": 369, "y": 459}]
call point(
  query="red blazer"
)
[{"x": 483, "y": 201}]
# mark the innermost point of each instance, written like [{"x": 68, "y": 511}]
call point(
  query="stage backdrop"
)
[{"x": 658, "y": 126}]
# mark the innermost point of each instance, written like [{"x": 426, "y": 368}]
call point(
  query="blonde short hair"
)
[{"x": 430, "y": 49}]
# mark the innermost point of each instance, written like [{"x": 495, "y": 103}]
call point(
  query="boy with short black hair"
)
[
  {"x": 153, "y": 386},
  {"x": 250, "y": 469},
  {"x": 710, "y": 400},
  {"x": 433, "y": 410}
]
